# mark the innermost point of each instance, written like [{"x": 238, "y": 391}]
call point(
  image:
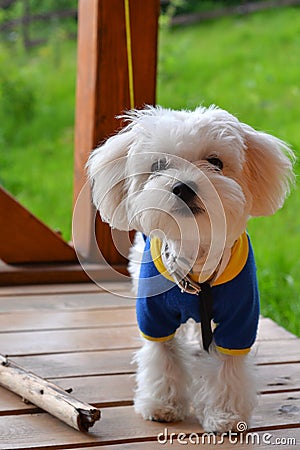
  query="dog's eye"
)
[
  {"x": 161, "y": 164},
  {"x": 216, "y": 162}
]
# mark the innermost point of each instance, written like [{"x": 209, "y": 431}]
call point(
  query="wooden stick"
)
[{"x": 47, "y": 396}]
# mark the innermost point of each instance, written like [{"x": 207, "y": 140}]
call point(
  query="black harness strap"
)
[{"x": 206, "y": 314}]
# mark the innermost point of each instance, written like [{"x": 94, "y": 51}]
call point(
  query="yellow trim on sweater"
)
[
  {"x": 160, "y": 339},
  {"x": 234, "y": 352},
  {"x": 155, "y": 249},
  {"x": 238, "y": 259}
]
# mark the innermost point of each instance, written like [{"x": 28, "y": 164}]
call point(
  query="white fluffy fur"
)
[
  {"x": 254, "y": 181},
  {"x": 162, "y": 379}
]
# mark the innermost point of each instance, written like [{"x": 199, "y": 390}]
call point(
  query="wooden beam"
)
[
  {"x": 46, "y": 273},
  {"x": 103, "y": 93},
  {"x": 25, "y": 239}
]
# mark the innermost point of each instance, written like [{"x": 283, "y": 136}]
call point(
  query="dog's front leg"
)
[
  {"x": 162, "y": 381},
  {"x": 225, "y": 393}
]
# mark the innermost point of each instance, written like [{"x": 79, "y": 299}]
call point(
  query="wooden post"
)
[{"x": 103, "y": 93}]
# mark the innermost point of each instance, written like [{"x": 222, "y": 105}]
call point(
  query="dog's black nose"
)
[{"x": 184, "y": 191}]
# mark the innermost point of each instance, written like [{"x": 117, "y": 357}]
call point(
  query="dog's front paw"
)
[
  {"x": 167, "y": 414},
  {"x": 220, "y": 422},
  {"x": 159, "y": 411}
]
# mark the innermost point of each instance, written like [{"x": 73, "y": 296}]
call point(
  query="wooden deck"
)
[{"x": 82, "y": 337}]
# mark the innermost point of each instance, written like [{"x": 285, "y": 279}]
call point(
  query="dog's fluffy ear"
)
[
  {"x": 268, "y": 171},
  {"x": 106, "y": 170}
]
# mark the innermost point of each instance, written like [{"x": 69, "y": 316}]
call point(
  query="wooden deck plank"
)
[
  {"x": 75, "y": 302},
  {"x": 60, "y": 341},
  {"x": 277, "y": 409},
  {"x": 278, "y": 377},
  {"x": 269, "y": 330},
  {"x": 11, "y": 403},
  {"x": 277, "y": 351},
  {"x": 57, "y": 320},
  {"x": 79, "y": 364},
  {"x": 64, "y": 288},
  {"x": 123, "y": 424},
  {"x": 115, "y": 390}
]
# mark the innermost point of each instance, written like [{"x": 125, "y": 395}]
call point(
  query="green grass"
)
[
  {"x": 248, "y": 65},
  {"x": 238, "y": 63},
  {"x": 36, "y": 130}
]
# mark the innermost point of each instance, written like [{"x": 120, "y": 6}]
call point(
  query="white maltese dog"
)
[{"x": 188, "y": 181}]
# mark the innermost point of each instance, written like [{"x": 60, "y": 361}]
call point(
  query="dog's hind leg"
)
[{"x": 162, "y": 381}]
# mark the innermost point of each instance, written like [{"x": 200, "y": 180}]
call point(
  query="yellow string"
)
[{"x": 129, "y": 53}]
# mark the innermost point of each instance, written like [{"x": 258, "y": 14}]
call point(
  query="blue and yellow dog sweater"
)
[{"x": 161, "y": 306}]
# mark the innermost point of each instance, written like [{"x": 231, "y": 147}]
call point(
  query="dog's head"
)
[{"x": 187, "y": 172}]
